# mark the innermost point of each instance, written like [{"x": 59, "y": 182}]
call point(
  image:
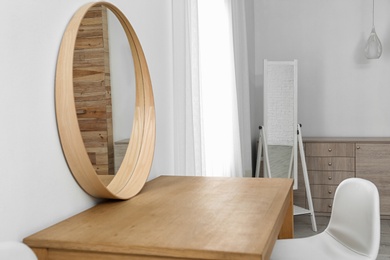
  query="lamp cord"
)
[{"x": 373, "y": 8}]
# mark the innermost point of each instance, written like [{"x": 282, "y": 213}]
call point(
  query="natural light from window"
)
[{"x": 218, "y": 89}]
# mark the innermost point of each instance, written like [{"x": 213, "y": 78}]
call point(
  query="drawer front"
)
[
  {"x": 323, "y": 191},
  {"x": 373, "y": 164},
  {"x": 323, "y": 205},
  {"x": 382, "y": 182},
  {"x": 328, "y": 177},
  {"x": 330, "y": 149},
  {"x": 330, "y": 163}
]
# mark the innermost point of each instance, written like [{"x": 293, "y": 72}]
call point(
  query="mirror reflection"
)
[
  {"x": 280, "y": 160},
  {"x": 280, "y": 118},
  {"x": 104, "y": 88}
]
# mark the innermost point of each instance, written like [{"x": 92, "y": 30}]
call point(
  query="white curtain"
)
[
  {"x": 242, "y": 25},
  {"x": 208, "y": 104},
  {"x": 188, "y": 154}
]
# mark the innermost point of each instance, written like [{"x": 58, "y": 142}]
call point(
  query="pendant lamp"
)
[{"x": 373, "y": 48}]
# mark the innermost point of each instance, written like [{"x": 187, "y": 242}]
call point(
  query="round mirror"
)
[{"x": 107, "y": 158}]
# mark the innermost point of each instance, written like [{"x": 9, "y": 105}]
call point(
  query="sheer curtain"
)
[
  {"x": 243, "y": 27},
  {"x": 209, "y": 104}
]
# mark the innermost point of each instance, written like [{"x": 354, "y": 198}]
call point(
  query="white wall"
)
[
  {"x": 340, "y": 92},
  {"x": 36, "y": 186},
  {"x": 122, "y": 79}
]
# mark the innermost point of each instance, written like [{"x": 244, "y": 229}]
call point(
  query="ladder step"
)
[{"x": 300, "y": 211}]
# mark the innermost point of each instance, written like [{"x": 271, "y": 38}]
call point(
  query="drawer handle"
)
[
  {"x": 330, "y": 164},
  {"x": 330, "y": 178},
  {"x": 330, "y": 206},
  {"x": 329, "y": 191},
  {"x": 330, "y": 149},
  {"x": 358, "y": 147}
]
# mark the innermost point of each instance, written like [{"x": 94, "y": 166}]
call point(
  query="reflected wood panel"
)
[{"x": 92, "y": 89}]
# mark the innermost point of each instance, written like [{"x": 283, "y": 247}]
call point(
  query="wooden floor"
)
[{"x": 302, "y": 226}]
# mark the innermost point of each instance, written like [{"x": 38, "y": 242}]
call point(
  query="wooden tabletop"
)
[{"x": 177, "y": 217}]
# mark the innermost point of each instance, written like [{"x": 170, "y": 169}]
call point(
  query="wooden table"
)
[{"x": 177, "y": 218}]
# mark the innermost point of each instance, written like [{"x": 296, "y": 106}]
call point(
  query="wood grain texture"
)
[
  {"x": 373, "y": 163},
  {"x": 135, "y": 169},
  {"x": 323, "y": 191},
  {"x": 322, "y": 205},
  {"x": 347, "y": 140},
  {"x": 329, "y": 177},
  {"x": 92, "y": 89},
  {"x": 41, "y": 253},
  {"x": 330, "y": 163},
  {"x": 330, "y": 149},
  {"x": 288, "y": 227},
  {"x": 370, "y": 160},
  {"x": 178, "y": 217}
]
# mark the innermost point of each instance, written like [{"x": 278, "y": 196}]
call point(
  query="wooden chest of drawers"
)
[
  {"x": 328, "y": 164},
  {"x": 331, "y": 160}
]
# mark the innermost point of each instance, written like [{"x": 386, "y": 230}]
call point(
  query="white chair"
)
[
  {"x": 353, "y": 231},
  {"x": 12, "y": 250}
]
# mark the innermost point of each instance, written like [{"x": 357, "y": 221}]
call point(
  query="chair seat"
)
[
  {"x": 319, "y": 247},
  {"x": 16, "y": 251}
]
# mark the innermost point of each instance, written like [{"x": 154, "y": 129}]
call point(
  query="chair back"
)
[{"x": 355, "y": 218}]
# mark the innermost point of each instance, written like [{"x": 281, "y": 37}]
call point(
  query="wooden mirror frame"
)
[{"x": 137, "y": 162}]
